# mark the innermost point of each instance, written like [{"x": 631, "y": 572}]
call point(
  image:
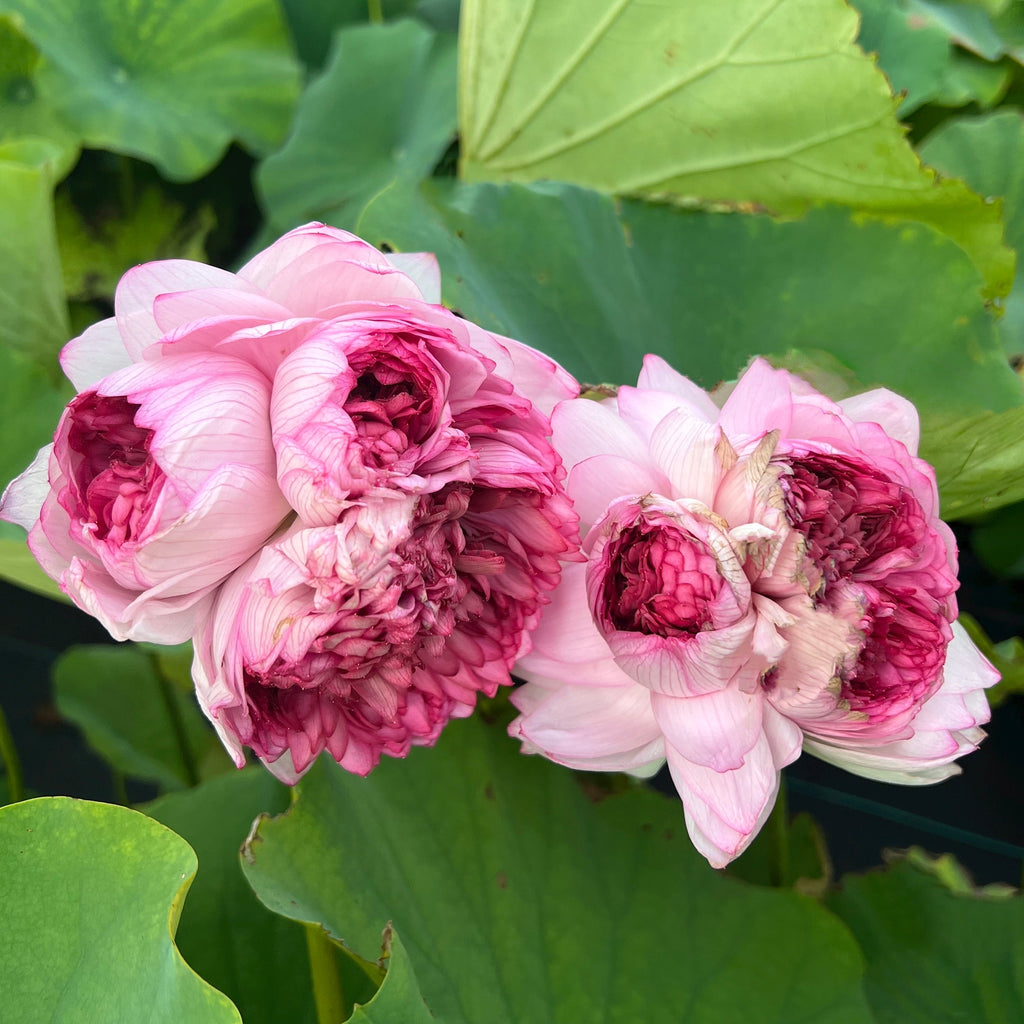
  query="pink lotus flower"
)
[
  {"x": 160, "y": 482},
  {"x": 397, "y": 454},
  {"x": 848, "y": 642},
  {"x": 431, "y": 518}
]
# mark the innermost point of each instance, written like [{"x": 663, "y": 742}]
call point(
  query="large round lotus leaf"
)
[
  {"x": 170, "y": 81},
  {"x": 91, "y": 895},
  {"x": 706, "y": 101},
  {"x": 520, "y": 899}
]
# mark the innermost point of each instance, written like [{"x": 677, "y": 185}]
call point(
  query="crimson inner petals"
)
[
  {"x": 438, "y": 619},
  {"x": 661, "y": 581},
  {"x": 854, "y": 518},
  {"x": 114, "y": 478},
  {"x": 900, "y": 664}
]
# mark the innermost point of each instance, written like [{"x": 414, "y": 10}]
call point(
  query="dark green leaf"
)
[
  {"x": 933, "y": 955},
  {"x": 91, "y": 896},
  {"x": 914, "y": 56},
  {"x": 257, "y": 958},
  {"x": 141, "y": 725},
  {"x": 596, "y": 284},
  {"x": 799, "y": 859},
  {"x": 518, "y": 899},
  {"x": 382, "y": 112},
  {"x": 95, "y": 254},
  {"x": 998, "y": 540},
  {"x": 399, "y": 1000}
]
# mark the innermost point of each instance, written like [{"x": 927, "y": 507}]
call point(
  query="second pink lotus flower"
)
[{"x": 762, "y": 578}]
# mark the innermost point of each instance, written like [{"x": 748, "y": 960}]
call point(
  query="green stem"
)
[
  {"x": 323, "y": 968},
  {"x": 375, "y": 12},
  {"x": 9, "y": 756},
  {"x": 778, "y": 823},
  {"x": 177, "y": 724}
]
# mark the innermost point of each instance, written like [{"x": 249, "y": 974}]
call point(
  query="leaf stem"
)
[
  {"x": 375, "y": 12},
  {"x": 177, "y": 723},
  {"x": 9, "y": 756},
  {"x": 323, "y": 968}
]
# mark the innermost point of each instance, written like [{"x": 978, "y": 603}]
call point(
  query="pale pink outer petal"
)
[
  {"x": 284, "y": 768},
  {"x": 689, "y": 668},
  {"x": 266, "y": 265},
  {"x": 94, "y": 354},
  {"x": 177, "y": 310},
  {"x": 537, "y": 376},
  {"x": 716, "y": 730},
  {"x": 582, "y": 429},
  {"x": 131, "y": 615},
  {"x": 657, "y": 375},
  {"x": 596, "y": 482},
  {"x": 590, "y": 728},
  {"x": 236, "y": 510},
  {"x": 422, "y": 269},
  {"x": 684, "y": 449},
  {"x": 138, "y": 289},
  {"x": 644, "y": 410},
  {"x": 761, "y": 401},
  {"x": 566, "y": 643},
  {"x": 895, "y": 414},
  {"x": 724, "y": 811},
  {"x": 326, "y": 277},
  {"x": 946, "y": 728},
  {"x": 215, "y": 662},
  {"x": 23, "y": 497}
]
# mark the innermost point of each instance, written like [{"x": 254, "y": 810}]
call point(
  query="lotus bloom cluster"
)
[
  {"x": 760, "y": 578},
  {"x": 344, "y": 492}
]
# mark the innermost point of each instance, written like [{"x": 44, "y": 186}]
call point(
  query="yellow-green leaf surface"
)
[
  {"x": 91, "y": 895},
  {"x": 170, "y": 81},
  {"x": 767, "y": 102},
  {"x": 254, "y": 957}
]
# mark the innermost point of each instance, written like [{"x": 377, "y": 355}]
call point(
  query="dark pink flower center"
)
[
  {"x": 113, "y": 477},
  {"x": 441, "y": 622},
  {"x": 850, "y": 514},
  {"x": 900, "y": 665},
  {"x": 661, "y": 581}
]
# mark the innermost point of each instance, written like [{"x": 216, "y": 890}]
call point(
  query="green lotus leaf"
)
[
  {"x": 91, "y": 896},
  {"x": 520, "y": 899},
  {"x": 170, "y": 81}
]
